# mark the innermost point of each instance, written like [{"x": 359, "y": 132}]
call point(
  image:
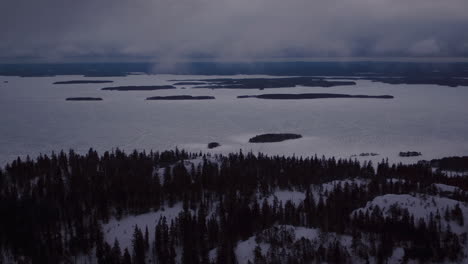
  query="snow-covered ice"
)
[{"x": 338, "y": 127}]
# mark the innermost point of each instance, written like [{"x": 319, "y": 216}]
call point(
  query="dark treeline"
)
[
  {"x": 451, "y": 163},
  {"x": 53, "y": 208},
  {"x": 84, "y": 99}
]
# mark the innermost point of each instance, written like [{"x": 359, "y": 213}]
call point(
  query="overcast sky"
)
[{"x": 232, "y": 29}]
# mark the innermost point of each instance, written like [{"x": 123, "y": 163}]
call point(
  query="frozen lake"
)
[{"x": 35, "y": 118}]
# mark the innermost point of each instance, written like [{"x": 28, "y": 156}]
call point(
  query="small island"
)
[
  {"x": 189, "y": 83},
  {"x": 312, "y": 96},
  {"x": 83, "y": 82},
  {"x": 213, "y": 145},
  {"x": 410, "y": 154},
  {"x": 139, "y": 88},
  {"x": 268, "y": 138},
  {"x": 84, "y": 99},
  {"x": 366, "y": 154},
  {"x": 106, "y": 75},
  {"x": 181, "y": 97}
]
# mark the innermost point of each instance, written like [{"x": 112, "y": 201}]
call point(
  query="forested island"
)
[
  {"x": 189, "y": 83},
  {"x": 84, "y": 99},
  {"x": 265, "y": 83},
  {"x": 213, "y": 145},
  {"x": 266, "y": 138},
  {"x": 366, "y": 154},
  {"x": 139, "y": 88},
  {"x": 312, "y": 96},
  {"x": 409, "y": 154},
  {"x": 83, "y": 82},
  {"x": 180, "y": 207},
  {"x": 181, "y": 97}
]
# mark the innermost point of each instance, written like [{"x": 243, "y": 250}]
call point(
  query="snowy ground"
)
[
  {"x": 443, "y": 188},
  {"x": 245, "y": 249},
  {"x": 321, "y": 190},
  {"x": 283, "y": 196},
  {"x": 455, "y": 173},
  {"x": 122, "y": 229},
  {"x": 420, "y": 206}
]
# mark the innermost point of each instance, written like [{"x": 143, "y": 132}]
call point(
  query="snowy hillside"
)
[
  {"x": 122, "y": 229},
  {"x": 420, "y": 206}
]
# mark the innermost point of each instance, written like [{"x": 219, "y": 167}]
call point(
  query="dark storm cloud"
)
[{"x": 232, "y": 29}]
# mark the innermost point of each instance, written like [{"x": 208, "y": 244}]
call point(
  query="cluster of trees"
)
[
  {"x": 430, "y": 241},
  {"x": 284, "y": 248},
  {"x": 451, "y": 163},
  {"x": 53, "y": 207}
]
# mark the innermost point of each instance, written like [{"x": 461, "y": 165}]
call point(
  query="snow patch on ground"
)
[
  {"x": 159, "y": 171},
  {"x": 329, "y": 186},
  {"x": 450, "y": 173},
  {"x": 320, "y": 189},
  {"x": 122, "y": 229},
  {"x": 446, "y": 188},
  {"x": 397, "y": 256},
  {"x": 245, "y": 250},
  {"x": 283, "y": 196},
  {"x": 395, "y": 180}
]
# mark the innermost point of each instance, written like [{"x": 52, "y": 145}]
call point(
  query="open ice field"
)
[{"x": 35, "y": 118}]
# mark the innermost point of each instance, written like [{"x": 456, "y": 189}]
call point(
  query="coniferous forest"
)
[{"x": 231, "y": 209}]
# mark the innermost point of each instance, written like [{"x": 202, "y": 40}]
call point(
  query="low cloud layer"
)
[{"x": 166, "y": 30}]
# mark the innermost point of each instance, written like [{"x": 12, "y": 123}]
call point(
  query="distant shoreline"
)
[{"x": 312, "y": 96}]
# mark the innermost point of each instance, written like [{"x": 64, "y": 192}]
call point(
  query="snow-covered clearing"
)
[
  {"x": 394, "y": 180},
  {"x": 321, "y": 190},
  {"x": 420, "y": 206},
  {"x": 159, "y": 171},
  {"x": 283, "y": 196},
  {"x": 245, "y": 249},
  {"x": 451, "y": 173},
  {"x": 446, "y": 188},
  {"x": 122, "y": 229},
  {"x": 330, "y": 186}
]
